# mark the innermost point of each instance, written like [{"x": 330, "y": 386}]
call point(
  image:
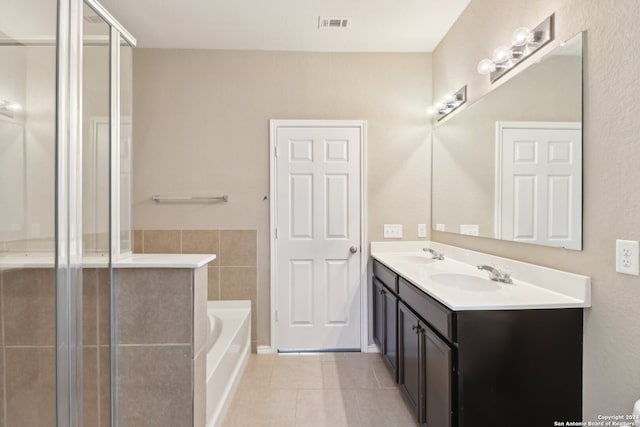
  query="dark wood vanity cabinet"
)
[
  {"x": 426, "y": 369},
  {"x": 385, "y": 307},
  {"x": 473, "y": 368}
]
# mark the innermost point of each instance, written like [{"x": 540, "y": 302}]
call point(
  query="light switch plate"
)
[
  {"x": 628, "y": 257},
  {"x": 393, "y": 231},
  {"x": 422, "y": 230},
  {"x": 440, "y": 227}
]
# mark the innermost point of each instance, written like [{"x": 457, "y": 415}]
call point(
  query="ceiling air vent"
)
[{"x": 325, "y": 22}]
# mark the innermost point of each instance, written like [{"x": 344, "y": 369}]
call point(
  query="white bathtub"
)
[{"x": 229, "y": 346}]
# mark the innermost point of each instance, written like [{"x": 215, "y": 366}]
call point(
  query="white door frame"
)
[
  {"x": 500, "y": 127},
  {"x": 364, "y": 249}
]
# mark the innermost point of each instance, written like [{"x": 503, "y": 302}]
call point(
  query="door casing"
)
[{"x": 364, "y": 249}]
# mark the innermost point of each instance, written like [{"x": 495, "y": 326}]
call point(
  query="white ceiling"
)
[{"x": 378, "y": 25}]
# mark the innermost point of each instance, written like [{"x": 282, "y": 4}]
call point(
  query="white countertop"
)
[
  {"x": 130, "y": 261},
  {"x": 533, "y": 287}
]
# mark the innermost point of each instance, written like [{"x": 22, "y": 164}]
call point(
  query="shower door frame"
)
[{"x": 68, "y": 202}]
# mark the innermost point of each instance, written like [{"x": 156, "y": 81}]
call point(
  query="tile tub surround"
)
[
  {"x": 233, "y": 275},
  {"x": 27, "y": 352},
  {"x": 162, "y": 329}
]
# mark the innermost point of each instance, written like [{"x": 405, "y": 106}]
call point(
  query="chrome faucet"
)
[
  {"x": 496, "y": 274},
  {"x": 435, "y": 254}
]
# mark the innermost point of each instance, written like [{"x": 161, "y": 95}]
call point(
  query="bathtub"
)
[{"x": 229, "y": 346}]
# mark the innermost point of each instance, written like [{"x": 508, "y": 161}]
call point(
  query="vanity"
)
[{"x": 468, "y": 351}]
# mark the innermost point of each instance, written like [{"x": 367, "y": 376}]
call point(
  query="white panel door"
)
[
  {"x": 541, "y": 183},
  {"x": 318, "y": 237}
]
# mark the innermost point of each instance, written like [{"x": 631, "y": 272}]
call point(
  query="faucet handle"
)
[{"x": 435, "y": 254}]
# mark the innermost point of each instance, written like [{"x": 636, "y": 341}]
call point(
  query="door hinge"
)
[
  {"x": 276, "y": 315},
  {"x": 276, "y": 232}
]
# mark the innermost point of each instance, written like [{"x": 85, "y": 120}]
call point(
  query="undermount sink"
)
[
  {"x": 465, "y": 282},
  {"x": 412, "y": 259}
]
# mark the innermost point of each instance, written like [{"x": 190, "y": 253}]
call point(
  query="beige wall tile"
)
[
  {"x": 2, "y": 382},
  {"x": 90, "y": 380},
  {"x": 30, "y": 387},
  {"x": 200, "y": 316},
  {"x": 138, "y": 240},
  {"x": 162, "y": 241},
  {"x": 89, "y": 306},
  {"x": 202, "y": 242},
  {"x": 238, "y": 283},
  {"x": 238, "y": 248},
  {"x": 200, "y": 390},
  {"x": 155, "y": 386},
  {"x": 213, "y": 292},
  {"x": 104, "y": 306},
  {"x": 154, "y": 306},
  {"x": 104, "y": 390},
  {"x": 29, "y": 307}
]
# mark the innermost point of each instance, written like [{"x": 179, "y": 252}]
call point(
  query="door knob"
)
[{"x": 353, "y": 249}]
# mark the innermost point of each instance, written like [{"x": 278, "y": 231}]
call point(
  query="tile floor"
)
[{"x": 330, "y": 389}]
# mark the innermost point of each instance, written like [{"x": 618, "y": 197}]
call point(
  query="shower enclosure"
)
[{"x": 65, "y": 144}]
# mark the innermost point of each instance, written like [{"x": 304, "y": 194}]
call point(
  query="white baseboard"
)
[
  {"x": 264, "y": 349},
  {"x": 372, "y": 348}
]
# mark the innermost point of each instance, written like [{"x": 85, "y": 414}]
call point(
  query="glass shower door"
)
[{"x": 28, "y": 76}]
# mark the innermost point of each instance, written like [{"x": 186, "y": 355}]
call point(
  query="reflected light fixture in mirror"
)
[
  {"x": 524, "y": 43},
  {"x": 448, "y": 104},
  {"x": 8, "y": 108}
]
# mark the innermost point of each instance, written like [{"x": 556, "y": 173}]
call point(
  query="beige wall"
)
[
  {"x": 201, "y": 125},
  {"x": 611, "y": 159}
]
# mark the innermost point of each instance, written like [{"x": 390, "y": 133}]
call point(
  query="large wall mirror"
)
[{"x": 509, "y": 166}]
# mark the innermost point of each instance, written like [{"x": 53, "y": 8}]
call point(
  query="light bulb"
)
[
  {"x": 431, "y": 111},
  {"x": 521, "y": 36},
  {"x": 501, "y": 54},
  {"x": 486, "y": 66},
  {"x": 14, "y": 107},
  {"x": 438, "y": 106},
  {"x": 448, "y": 98}
]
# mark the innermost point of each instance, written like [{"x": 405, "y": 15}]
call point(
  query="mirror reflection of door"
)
[{"x": 539, "y": 183}]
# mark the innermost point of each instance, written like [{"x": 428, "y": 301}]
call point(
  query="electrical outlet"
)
[
  {"x": 393, "y": 231},
  {"x": 470, "y": 229},
  {"x": 628, "y": 257},
  {"x": 422, "y": 230},
  {"x": 440, "y": 227}
]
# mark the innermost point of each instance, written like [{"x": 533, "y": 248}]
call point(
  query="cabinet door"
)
[
  {"x": 378, "y": 313},
  {"x": 390, "y": 329},
  {"x": 409, "y": 342},
  {"x": 438, "y": 376}
]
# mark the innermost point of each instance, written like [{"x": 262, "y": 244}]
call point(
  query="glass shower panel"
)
[
  {"x": 28, "y": 36},
  {"x": 125, "y": 163},
  {"x": 96, "y": 92}
]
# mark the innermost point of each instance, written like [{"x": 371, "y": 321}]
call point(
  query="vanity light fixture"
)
[
  {"x": 524, "y": 43},
  {"x": 8, "y": 108},
  {"x": 448, "y": 104}
]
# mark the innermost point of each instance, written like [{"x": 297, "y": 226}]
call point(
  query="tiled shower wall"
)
[
  {"x": 27, "y": 347},
  {"x": 232, "y": 275}
]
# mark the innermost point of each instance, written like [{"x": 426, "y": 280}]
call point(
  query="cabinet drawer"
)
[
  {"x": 439, "y": 317},
  {"x": 386, "y": 276}
]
